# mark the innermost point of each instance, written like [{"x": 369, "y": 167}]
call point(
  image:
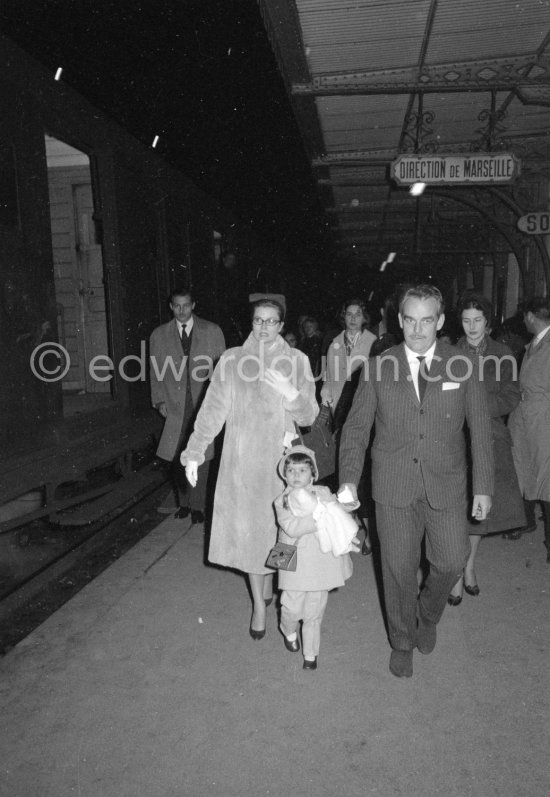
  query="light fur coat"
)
[{"x": 256, "y": 419}]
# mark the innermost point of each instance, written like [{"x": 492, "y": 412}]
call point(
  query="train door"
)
[
  {"x": 78, "y": 269},
  {"x": 91, "y": 289}
]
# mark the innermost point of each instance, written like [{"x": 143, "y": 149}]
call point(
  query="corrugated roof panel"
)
[
  {"x": 357, "y": 174},
  {"x": 360, "y": 122},
  {"x": 527, "y": 120},
  {"x": 470, "y": 30},
  {"x": 344, "y": 36},
  {"x": 373, "y": 104}
]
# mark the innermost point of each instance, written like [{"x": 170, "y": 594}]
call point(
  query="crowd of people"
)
[{"x": 440, "y": 425}]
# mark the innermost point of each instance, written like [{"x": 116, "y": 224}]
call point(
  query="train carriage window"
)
[{"x": 79, "y": 275}]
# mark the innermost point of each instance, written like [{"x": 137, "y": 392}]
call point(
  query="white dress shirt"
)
[
  {"x": 188, "y": 326},
  {"x": 540, "y": 336},
  {"x": 414, "y": 363}
]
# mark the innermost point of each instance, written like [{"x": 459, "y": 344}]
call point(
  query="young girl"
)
[{"x": 301, "y": 520}]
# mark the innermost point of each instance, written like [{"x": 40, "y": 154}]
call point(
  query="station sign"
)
[
  {"x": 535, "y": 223},
  {"x": 481, "y": 168}
]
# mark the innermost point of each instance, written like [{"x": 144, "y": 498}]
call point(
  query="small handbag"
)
[{"x": 282, "y": 557}]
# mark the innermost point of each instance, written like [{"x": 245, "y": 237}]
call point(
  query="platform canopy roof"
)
[{"x": 384, "y": 89}]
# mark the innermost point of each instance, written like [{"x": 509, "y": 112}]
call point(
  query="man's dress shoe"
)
[
  {"x": 197, "y": 516},
  {"x": 401, "y": 663},
  {"x": 310, "y": 665},
  {"x": 182, "y": 512},
  {"x": 426, "y": 636}
]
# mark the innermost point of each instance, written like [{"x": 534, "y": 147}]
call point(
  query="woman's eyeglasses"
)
[{"x": 269, "y": 322}]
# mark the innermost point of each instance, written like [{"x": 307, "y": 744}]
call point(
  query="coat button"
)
[
  {"x": 422, "y": 412},
  {"x": 415, "y": 461},
  {"x": 421, "y": 437}
]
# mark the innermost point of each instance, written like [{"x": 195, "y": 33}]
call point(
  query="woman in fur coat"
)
[{"x": 258, "y": 390}]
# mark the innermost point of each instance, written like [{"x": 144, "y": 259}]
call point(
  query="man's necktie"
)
[{"x": 422, "y": 381}]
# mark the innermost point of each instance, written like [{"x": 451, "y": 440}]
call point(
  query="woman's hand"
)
[
  {"x": 191, "y": 470},
  {"x": 281, "y": 384}
]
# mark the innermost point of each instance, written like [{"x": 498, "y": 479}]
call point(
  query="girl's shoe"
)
[
  {"x": 310, "y": 665},
  {"x": 292, "y": 645}
]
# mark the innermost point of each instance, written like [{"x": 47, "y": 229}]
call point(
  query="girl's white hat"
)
[{"x": 298, "y": 450}]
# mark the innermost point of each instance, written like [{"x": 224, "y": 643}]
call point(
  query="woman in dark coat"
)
[{"x": 498, "y": 370}]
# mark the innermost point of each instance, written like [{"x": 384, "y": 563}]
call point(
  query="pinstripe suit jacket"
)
[{"x": 412, "y": 436}]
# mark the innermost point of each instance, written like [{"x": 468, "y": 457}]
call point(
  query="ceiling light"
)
[{"x": 417, "y": 188}]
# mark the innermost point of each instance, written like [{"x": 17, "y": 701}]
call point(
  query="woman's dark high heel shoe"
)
[
  {"x": 474, "y": 590},
  {"x": 268, "y": 601},
  {"x": 256, "y": 634},
  {"x": 454, "y": 600}
]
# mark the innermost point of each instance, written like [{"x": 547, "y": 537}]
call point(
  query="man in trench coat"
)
[
  {"x": 419, "y": 407},
  {"x": 529, "y": 422},
  {"x": 183, "y": 354}
]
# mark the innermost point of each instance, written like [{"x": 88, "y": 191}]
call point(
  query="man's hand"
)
[
  {"x": 347, "y": 496},
  {"x": 161, "y": 407},
  {"x": 481, "y": 506},
  {"x": 280, "y": 383},
  {"x": 191, "y": 470}
]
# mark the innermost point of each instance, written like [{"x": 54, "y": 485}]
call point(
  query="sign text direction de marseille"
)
[{"x": 482, "y": 168}]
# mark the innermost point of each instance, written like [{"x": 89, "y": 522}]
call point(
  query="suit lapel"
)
[{"x": 437, "y": 369}]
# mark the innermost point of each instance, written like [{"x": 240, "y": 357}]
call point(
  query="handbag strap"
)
[{"x": 299, "y": 433}]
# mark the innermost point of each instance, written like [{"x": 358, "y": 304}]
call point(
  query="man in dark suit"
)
[
  {"x": 183, "y": 354},
  {"x": 419, "y": 394}
]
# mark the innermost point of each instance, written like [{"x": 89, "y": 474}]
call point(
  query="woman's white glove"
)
[
  {"x": 191, "y": 470},
  {"x": 281, "y": 384}
]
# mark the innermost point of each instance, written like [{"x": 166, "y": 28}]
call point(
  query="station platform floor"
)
[{"x": 147, "y": 684}]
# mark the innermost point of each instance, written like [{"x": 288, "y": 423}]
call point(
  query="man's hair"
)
[
  {"x": 299, "y": 457},
  {"x": 269, "y": 303},
  {"x": 180, "y": 291},
  {"x": 471, "y": 300},
  {"x": 539, "y": 306},
  {"x": 422, "y": 292}
]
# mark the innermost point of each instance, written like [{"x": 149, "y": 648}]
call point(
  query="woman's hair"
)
[
  {"x": 471, "y": 300},
  {"x": 269, "y": 303},
  {"x": 362, "y": 306},
  {"x": 294, "y": 459}
]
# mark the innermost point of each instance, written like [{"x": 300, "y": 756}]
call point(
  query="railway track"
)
[{"x": 56, "y": 561}]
